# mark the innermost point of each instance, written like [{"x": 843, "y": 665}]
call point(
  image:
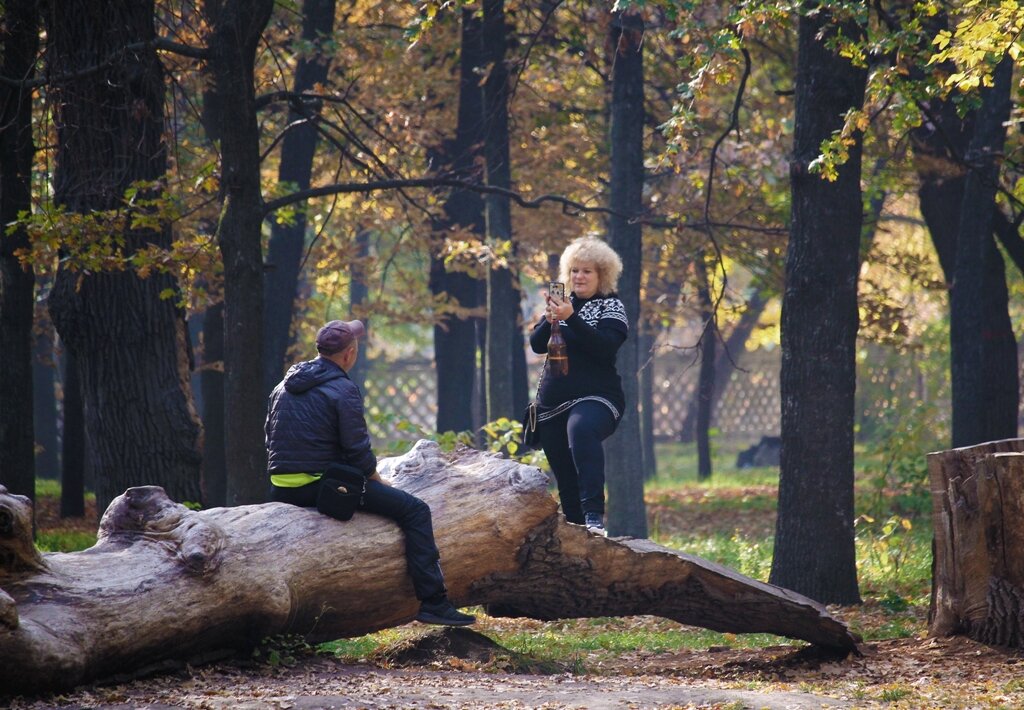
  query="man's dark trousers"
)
[{"x": 412, "y": 516}]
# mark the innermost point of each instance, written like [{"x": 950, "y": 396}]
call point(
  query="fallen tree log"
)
[
  {"x": 164, "y": 583},
  {"x": 978, "y": 549}
]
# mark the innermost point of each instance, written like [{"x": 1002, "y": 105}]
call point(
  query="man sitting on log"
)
[{"x": 315, "y": 423}]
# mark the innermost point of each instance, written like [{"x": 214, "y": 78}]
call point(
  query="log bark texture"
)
[
  {"x": 978, "y": 564},
  {"x": 166, "y": 584}
]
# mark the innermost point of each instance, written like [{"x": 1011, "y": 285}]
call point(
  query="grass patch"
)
[
  {"x": 677, "y": 464},
  {"x": 760, "y": 499},
  {"x": 606, "y": 637},
  {"x": 896, "y": 564},
  {"x": 361, "y": 648},
  {"x": 47, "y": 487},
  {"x": 752, "y": 557},
  {"x": 64, "y": 540},
  {"x": 895, "y": 693},
  {"x": 570, "y": 645}
]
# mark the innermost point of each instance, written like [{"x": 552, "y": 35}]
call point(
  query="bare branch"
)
[
  {"x": 734, "y": 125},
  {"x": 159, "y": 43},
  {"x": 568, "y": 206},
  {"x": 1009, "y": 237}
]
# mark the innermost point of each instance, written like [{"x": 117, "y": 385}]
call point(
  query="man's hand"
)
[{"x": 376, "y": 477}]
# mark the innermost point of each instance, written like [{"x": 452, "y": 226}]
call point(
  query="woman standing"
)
[{"x": 577, "y": 411}]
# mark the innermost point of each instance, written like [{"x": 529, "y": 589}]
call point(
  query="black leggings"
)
[
  {"x": 412, "y": 516},
  {"x": 572, "y": 443}
]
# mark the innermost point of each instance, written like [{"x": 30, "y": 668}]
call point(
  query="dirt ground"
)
[{"x": 448, "y": 671}]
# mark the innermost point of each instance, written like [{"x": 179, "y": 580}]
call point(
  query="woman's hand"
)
[{"x": 555, "y": 309}]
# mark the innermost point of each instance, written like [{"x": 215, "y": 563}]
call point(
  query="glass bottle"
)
[{"x": 558, "y": 358}]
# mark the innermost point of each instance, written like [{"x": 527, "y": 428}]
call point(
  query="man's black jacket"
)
[{"x": 315, "y": 419}]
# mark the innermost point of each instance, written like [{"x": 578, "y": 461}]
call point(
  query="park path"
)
[{"x": 322, "y": 683}]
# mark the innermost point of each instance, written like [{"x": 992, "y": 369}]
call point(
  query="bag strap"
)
[{"x": 540, "y": 380}]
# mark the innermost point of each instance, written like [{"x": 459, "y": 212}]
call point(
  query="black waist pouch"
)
[{"x": 341, "y": 491}]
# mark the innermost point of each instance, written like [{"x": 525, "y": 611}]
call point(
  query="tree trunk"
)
[
  {"x": 215, "y": 468},
  {"x": 19, "y": 42},
  {"x": 358, "y": 295},
  {"x": 128, "y": 340},
  {"x": 626, "y": 512},
  {"x": 706, "y": 379},
  {"x": 977, "y": 575},
  {"x": 983, "y": 352},
  {"x": 44, "y": 401},
  {"x": 501, "y": 292},
  {"x": 646, "y": 382},
  {"x": 497, "y": 527},
  {"x": 235, "y": 29},
  {"x": 455, "y": 338},
  {"x": 74, "y": 453},
  {"x": 287, "y": 241},
  {"x": 814, "y": 536},
  {"x": 521, "y": 394},
  {"x": 941, "y": 148}
]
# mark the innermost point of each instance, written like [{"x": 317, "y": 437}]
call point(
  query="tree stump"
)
[
  {"x": 978, "y": 547},
  {"x": 166, "y": 584}
]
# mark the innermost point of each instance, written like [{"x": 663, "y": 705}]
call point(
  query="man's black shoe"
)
[{"x": 443, "y": 613}]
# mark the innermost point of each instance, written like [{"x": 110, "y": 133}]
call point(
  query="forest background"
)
[{"x": 190, "y": 190}]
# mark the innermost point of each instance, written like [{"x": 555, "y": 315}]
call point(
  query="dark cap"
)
[{"x": 338, "y": 335}]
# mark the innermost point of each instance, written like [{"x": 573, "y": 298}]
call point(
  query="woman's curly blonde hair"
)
[{"x": 591, "y": 250}]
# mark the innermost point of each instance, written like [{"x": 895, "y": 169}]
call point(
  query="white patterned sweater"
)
[{"x": 593, "y": 335}]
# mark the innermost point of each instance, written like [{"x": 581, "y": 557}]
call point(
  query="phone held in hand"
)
[{"x": 558, "y": 354}]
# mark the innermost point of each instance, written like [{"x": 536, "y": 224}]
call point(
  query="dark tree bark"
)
[
  {"x": 706, "y": 377},
  {"x": 1009, "y": 236},
  {"x": 626, "y": 512},
  {"x": 44, "y": 401},
  {"x": 19, "y": 39},
  {"x": 521, "y": 394},
  {"x": 211, "y": 378},
  {"x": 983, "y": 351},
  {"x": 74, "y": 453},
  {"x": 814, "y": 536},
  {"x": 498, "y": 530},
  {"x": 287, "y": 241},
  {"x": 947, "y": 150},
  {"x": 358, "y": 294},
  {"x": 501, "y": 293},
  {"x": 455, "y": 338},
  {"x": 647, "y": 340},
  {"x": 235, "y": 30},
  {"x": 128, "y": 342}
]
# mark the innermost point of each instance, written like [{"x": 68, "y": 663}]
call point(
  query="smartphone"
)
[{"x": 556, "y": 291}]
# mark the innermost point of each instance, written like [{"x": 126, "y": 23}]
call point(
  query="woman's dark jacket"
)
[
  {"x": 593, "y": 335},
  {"x": 316, "y": 418}
]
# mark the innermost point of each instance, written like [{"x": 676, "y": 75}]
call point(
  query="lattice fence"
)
[
  {"x": 747, "y": 409},
  {"x": 889, "y": 384},
  {"x": 397, "y": 392}
]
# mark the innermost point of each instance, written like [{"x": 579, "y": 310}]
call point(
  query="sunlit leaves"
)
[
  {"x": 835, "y": 151},
  {"x": 133, "y": 237},
  {"x": 987, "y": 32}
]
